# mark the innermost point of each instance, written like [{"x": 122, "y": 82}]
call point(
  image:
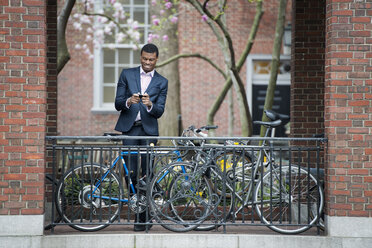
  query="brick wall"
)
[
  {"x": 348, "y": 111},
  {"x": 51, "y": 41},
  {"x": 51, "y": 87},
  {"x": 307, "y": 76},
  {"x": 22, "y": 106}
]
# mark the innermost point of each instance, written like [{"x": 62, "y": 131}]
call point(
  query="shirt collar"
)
[{"x": 142, "y": 72}]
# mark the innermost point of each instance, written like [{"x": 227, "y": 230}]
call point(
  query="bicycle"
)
[
  {"x": 89, "y": 197},
  {"x": 174, "y": 209},
  {"x": 278, "y": 193}
]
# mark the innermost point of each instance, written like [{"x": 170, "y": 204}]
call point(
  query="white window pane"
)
[
  {"x": 139, "y": 15},
  {"x": 142, "y": 39},
  {"x": 108, "y": 75},
  {"x": 124, "y": 56},
  {"x": 120, "y": 69},
  {"x": 139, "y": 1},
  {"x": 126, "y": 1},
  {"x": 108, "y": 94},
  {"x": 137, "y": 56},
  {"x": 108, "y": 56},
  {"x": 110, "y": 38}
]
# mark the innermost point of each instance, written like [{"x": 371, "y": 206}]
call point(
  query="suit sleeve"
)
[
  {"x": 159, "y": 106},
  {"x": 121, "y": 93}
]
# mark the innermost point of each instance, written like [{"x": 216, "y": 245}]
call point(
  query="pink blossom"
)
[
  {"x": 156, "y": 22},
  {"x": 153, "y": 2},
  {"x": 174, "y": 19},
  {"x": 204, "y": 18},
  {"x": 149, "y": 39},
  {"x": 152, "y": 37},
  {"x": 168, "y": 5},
  {"x": 165, "y": 38}
]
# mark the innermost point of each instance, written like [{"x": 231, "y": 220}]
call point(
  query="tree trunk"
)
[
  {"x": 63, "y": 56},
  {"x": 216, "y": 105},
  {"x": 168, "y": 123},
  {"x": 279, "y": 30}
]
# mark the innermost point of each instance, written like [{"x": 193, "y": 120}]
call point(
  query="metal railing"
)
[{"x": 195, "y": 184}]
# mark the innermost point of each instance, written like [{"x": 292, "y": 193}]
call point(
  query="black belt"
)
[{"x": 137, "y": 123}]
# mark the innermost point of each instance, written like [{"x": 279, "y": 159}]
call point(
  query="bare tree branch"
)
[
  {"x": 216, "y": 105},
  {"x": 62, "y": 49},
  {"x": 195, "y": 55}
]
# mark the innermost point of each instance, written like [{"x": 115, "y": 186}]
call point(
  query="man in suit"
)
[{"x": 140, "y": 96}]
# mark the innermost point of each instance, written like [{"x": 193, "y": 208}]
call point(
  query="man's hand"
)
[
  {"x": 133, "y": 99},
  {"x": 146, "y": 100}
]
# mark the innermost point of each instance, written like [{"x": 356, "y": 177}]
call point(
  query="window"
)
[{"x": 111, "y": 58}]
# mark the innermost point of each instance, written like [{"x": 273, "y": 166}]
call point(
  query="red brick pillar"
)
[
  {"x": 348, "y": 114},
  {"x": 22, "y": 116},
  {"x": 307, "y": 78}
]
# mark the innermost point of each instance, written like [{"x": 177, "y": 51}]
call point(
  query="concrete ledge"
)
[
  {"x": 15, "y": 225},
  {"x": 349, "y": 226},
  {"x": 182, "y": 241}
]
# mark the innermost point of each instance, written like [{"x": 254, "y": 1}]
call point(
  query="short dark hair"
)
[{"x": 150, "y": 48}]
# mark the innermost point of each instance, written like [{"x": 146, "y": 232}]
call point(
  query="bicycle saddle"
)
[
  {"x": 275, "y": 123},
  {"x": 272, "y": 115}
]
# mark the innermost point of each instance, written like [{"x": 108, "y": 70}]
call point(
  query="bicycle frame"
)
[
  {"x": 97, "y": 185},
  {"x": 116, "y": 160}
]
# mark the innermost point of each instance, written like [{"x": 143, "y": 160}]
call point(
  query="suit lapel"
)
[{"x": 152, "y": 82}]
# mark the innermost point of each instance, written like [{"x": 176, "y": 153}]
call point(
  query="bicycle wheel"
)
[
  {"x": 238, "y": 168},
  {"x": 180, "y": 197},
  {"x": 222, "y": 199},
  {"x": 74, "y": 199},
  {"x": 288, "y": 199}
]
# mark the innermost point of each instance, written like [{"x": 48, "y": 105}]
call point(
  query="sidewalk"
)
[{"x": 158, "y": 237}]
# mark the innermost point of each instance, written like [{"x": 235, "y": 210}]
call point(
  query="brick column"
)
[
  {"x": 307, "y": 78},
  {"x": 22, "y": 116},
  {"x": 348, "y": 112}
]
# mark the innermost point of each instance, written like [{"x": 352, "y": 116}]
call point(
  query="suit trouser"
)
[{"x": 132, "y": 159}]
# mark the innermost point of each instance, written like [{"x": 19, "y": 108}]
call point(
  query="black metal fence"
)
[{"x": 189, "y": 184}]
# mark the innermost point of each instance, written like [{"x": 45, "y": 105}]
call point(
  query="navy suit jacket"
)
[{"x": 129, "y": 84}]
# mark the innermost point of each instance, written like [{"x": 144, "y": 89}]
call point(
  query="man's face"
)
[{"x": 148, "y": 61}]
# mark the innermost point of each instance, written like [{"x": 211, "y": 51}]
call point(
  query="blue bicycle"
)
[{"x": 90, "y": 196}]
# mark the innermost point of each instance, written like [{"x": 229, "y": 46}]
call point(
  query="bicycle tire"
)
[
  {"x": 180, "y": 197},
  {"x": 73, "y": 197},
  {"x": 235, "y": 169},
  {"x": 223, "y": 198},
  {"x": 287, "y": 192},
  {"x": 238, "y": 167}
]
